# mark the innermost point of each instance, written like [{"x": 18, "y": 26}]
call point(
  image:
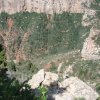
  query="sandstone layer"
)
[{"x": 44, "y": 6}]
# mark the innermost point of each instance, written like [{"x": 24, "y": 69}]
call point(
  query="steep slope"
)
[
  {"x": 91, "y": 48},
  {"x": 62, "y": 27},
  {"x": 51, "y": 33},
  {"x": 38, "y": 35}
]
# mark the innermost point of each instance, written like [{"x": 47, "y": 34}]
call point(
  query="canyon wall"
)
[
  {"x": 87, "y": 18},
  {"x": 44, "y": 6}
]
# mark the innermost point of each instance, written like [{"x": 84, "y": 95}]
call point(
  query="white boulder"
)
[
  {"x": 37, "y": 79},
  {"x": 50, "y": 78},
  {"x": 79, "y": 89}
]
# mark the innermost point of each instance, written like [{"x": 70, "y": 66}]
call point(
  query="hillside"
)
[
  {"x": 44, "y": 6},
  {"x": 59, "y": 36}
]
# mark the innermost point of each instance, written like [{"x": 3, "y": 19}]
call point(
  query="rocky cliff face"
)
[
  {"x": 44, "y": 6},
  {"x": 51, "y": 30}
]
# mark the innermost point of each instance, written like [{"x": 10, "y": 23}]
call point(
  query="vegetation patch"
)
[
  {"x": 49, "y": 34},
  {"x": 11, "y": 89}
]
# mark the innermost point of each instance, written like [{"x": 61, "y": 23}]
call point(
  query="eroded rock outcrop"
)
[
  {"x": 44, "y": 78},
  {"x": 43, "y": 6},
  {"x": 37, "y": 79},
  {"x": 50, "y": 78},
  {"x": 79, "y": 89},
  {"x": 90, "y": 50},
  {"x": 14, "y": 50},
  {"x": 69, "y": 89}
]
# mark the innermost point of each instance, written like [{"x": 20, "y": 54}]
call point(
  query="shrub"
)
[
  {"x": 98, "y": 87},
  {"x": 2, "y": 56},
  {"x": 87, "y": 70},
  {"x": 3, "y": 20},
  {"x": 23, "y": 70},
  {"x": 42, "y": 93},
  {"x": 11, "y": 89},
  {"x": 98, "y": 98},
  {"x": 53, "y": 67},
  {"x": 79, "y": 99}
]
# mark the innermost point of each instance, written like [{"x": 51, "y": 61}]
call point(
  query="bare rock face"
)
[
  {"x": 46, "y": 6},
  {"x": 89, "y": 13},
  {"x": 44, "y": 78},
  {"x": 90, "y": 50},
  {"x": 50, "y": 78},
  {"x": 37, "y": 79},
  {"x": 78, "y": 89}
]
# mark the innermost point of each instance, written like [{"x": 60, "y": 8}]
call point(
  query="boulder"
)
[
  {"x": 37, "y": 79},
  {"x": 50, "y": 79},
  {"x": 79, "y": 89},
  {"x": 69, "y": 89},
  {"x": 63, "y": 96}
]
